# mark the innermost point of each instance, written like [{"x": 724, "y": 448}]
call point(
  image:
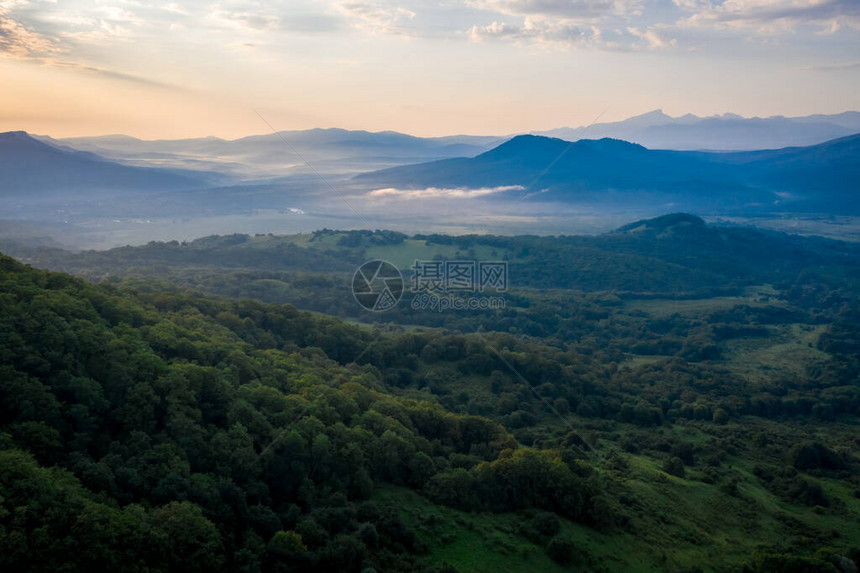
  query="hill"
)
[
  {"x": 676, "y": 256},
  {"x": 611, "y": 172},
  {"x": 29, "y": 166},
  {"x": 265, "y": 156},
  {"x": 592, "y": 425}
]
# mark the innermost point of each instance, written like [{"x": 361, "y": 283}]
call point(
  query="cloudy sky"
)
[{"x": 182, "y": 69}]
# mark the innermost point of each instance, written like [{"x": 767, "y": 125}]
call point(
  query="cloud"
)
[
  {"x": 653, "y": 39},
  {"x": 772, "y": 17},
  {"x": 691, "y": 4},
  {"x": 175, "y": 9},
  {"x": 628, "y": 25},
  {"x": 567, "y": 34},
  {"x": 118, "y": 14},
  {"x": 375, "y": 18},
  {"x": 440, "y": 192},
  {"x": 562, "y": 34},
  {"x": 833, "y": 67},
  {"x": 567, "y": 9},
  {"x": 568, "y": 24},
  {"x": 97, "y": 25},
  {"x": 105, "y": 73},
  {"x": 19, "y": 41},
  {"x": 256, "y": 20}
]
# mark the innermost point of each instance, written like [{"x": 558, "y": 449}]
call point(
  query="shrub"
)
[
  {"x": 560, "y": 550},
  {"x": 546, "y": 523},
  {"x": 674, "y": 466}
]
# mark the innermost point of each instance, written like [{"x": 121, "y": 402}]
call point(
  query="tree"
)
[
  {"x": 546, "y": 524},
  {"x": 185, "y": 539},
  {"x": 421, "y": 469},
  {"x": 560, "y": 549},
  {"x": 286, "y": 545}
]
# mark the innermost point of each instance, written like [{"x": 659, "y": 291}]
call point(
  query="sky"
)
[{"x": 231, "y": 68}]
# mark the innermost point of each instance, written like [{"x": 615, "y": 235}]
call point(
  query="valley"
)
[{"x": 701, "y": 415}]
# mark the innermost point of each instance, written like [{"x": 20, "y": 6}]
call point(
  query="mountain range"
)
[
  {"x": 284, "y": 153},
  {"x": 29, "y": 166},
  {"x": 337, "y": 151},
  {"x": 822, "y": 177},
  {"x": 609, "y": 173},
  {"x": 731, "y": 132}
]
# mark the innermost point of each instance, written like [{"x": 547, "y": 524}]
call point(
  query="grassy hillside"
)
[{"x": 700, "y": 423}]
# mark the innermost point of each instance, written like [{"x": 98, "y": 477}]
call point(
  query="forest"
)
[{"x": 673, "y": 396}]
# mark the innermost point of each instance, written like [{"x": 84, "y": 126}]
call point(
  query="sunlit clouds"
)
[{"x": 424, "y": 67}]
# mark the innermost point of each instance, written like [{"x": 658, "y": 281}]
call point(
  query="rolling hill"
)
[
  {"x": 29, "y": 166},
  {"x": 268, "y": 155},
  {"x": 672, "y": 396},
  {"x": 823, "y": 176}
]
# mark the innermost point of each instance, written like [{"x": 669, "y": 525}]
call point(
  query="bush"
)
[
  {"x": 814, "y": 455},
  {"x": 546, "y": 524},
  {"x": 674, "y": 466},
  {"x": 560, "y": 550}
]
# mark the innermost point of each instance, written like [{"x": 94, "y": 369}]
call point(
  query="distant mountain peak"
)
[
  {"x": 536, "y": 142},
  {"x": 28, "y": 166},
  {"x": 526, "y": 144},
  {"x": 609, "y": 144},
  {"x": 722, "y": 132},
  {"x": 530, "y": 137},
  {"x": 656, "y": 113},
  {"x": 16, "y": 136},
  {"x": 12, "y": 140},
  {"x": 664, "y": 223},
  {"x": 654, "y": 117},
  {"x": 541, "y": 149}
]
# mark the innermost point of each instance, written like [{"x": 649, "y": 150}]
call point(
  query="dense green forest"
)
[{"x": 673, "y": 396}]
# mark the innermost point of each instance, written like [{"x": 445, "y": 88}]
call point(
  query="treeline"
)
[{"x": 675, "y": 256}]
